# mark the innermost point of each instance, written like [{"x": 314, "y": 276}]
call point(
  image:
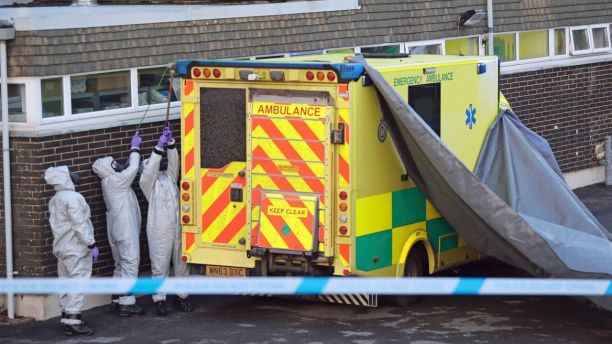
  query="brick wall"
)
[
  {"x": 571, "y": 107},
  {"x": 32, "y": 238}
]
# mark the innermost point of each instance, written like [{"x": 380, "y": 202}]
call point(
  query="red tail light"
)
[
  {"x": 185, "y": 186},
  {"x": 197, "y": 73},
  {"x": 186, "y": 218},
  {"x": 346, "y": 272},
  {"x": 216, "y": 73},
  {"x": 331, "y": 76},
  {"x": 184, "y": 259},
  {"x": 343, "y": 230},
  {"x": 310, "y": 75},
  {"x": 343, "y": 195}
]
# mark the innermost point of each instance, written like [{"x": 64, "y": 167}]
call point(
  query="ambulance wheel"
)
[{"x": 415, "y": 267}]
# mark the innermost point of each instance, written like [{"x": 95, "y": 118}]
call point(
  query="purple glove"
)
[
  {"x": 95, "y": 253},
  {"x": 136, "y": 141},
  {"x": 164, "y": 138},
  {"x": 168, "y": 133}
]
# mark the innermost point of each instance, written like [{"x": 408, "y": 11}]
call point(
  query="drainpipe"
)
[
  {"x": 7, "y": 32},
  {"x": 490, "y": 26},
  {"x": 608, "y": 159}
]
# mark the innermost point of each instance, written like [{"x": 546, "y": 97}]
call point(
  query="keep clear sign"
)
[{"x": 288, "y": 110}]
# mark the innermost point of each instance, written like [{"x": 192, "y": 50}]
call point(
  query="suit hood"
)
[{"x": 59, "y": 178}]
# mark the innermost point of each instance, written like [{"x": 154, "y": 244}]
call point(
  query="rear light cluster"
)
[
  {"x": 343, "y": 207},
  {"x": 320, "y": 76},
  {"x": 186, "y": 206},
  {"x": 207, "y": 72}
]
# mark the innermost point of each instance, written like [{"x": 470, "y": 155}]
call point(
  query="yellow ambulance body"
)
[{"x": 288, "y": 167}]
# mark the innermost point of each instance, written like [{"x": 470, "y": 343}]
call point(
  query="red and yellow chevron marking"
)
[
  {"x": 344, "y": 251},
  {"x": 223, "y": 221},
  {"x": 188, "y": 139},
  {"x": 344, "y": 152},
  {"x": 187, "y": 88},
  {"x": 189, "y": 242},
  {"x": 286, "y": 222}
]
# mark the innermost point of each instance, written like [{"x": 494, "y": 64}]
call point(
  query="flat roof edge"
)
[{"x": 76, "y": 17}]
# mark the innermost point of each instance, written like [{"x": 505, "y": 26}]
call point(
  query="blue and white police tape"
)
[{"x": 311, "y": 286}]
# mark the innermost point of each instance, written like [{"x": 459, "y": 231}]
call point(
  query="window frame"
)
[
  {"x": 479, "y": 37},
  {"x": 551, "y": 43},
  {"x": 412, "y": 44},
  {"x": 573, "y": 51},
  {"x": 606, "y": 27},
  {"x": 535, "y": 59},
  {"x": 357, "y": 49}
]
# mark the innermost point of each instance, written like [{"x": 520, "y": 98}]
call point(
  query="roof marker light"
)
[
  {"x": 216, "y": 73},
  {"x": 310, "y": 75},
  {"x": 197, "y": 73},
  {"x": 207, "y": 73},
  {"x": 320, "y": 76}
]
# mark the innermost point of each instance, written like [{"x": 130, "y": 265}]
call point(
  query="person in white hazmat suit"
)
[
  {"x": 123, "y": 220},
  {"x": 159, "y": 186},
  {"x": 73, "y": 243}
]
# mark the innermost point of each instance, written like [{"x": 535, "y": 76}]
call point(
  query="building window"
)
[
  {"x": 601, "y": 38},
  {"x": 580, "y": 40},
  {"x": 467, "y": 46},
  {"x": 340, "y": 51},
  {"x": 382, "y": 49},
  {"x": 16, "y": 103},
  {"x": 504, "y": 46},
  {"x": 153, "y": 86},
  {"x": 52, "y": 97},
  {"x": 424, "y": 49},
  {"x": 97, "y": 92},
  {"x": 533, "y": 44},
  {"x": 560, "y": 42}
]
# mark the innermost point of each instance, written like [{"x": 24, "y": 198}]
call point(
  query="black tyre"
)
[{"x": 415, "y": 267}]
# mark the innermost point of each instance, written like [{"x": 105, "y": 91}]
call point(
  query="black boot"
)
[
  {"x": 183, "y": 304},
  {"x": 80, "y": 329},
  {"x": 129, "y": 310},
  {"x": 161, "y": 308},
  {"x": 114, "y": 303}
]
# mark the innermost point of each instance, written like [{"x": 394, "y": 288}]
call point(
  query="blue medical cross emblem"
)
[{"x": 471, "y": 116}]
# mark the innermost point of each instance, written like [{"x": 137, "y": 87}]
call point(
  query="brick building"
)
[{"x": 82, "y": 77}]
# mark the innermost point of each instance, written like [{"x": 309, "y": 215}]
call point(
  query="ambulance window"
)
[
  {"x": 222, "y": 126},
  {"x": 425, "y": 100}
]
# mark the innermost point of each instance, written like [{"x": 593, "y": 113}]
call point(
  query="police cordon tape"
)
[{"x": 311, "y": 286}]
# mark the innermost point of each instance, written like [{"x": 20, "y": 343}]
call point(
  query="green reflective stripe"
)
[
  {"x": 374, "y": 251},
  {"x": 408, "y": 207},
  {"x": 437, "y": 228}
]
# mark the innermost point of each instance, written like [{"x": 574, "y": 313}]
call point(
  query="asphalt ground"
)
[{"x": 432, "y": 320}]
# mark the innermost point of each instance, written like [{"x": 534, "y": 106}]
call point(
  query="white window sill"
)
[{"x": 76, "y": 123}]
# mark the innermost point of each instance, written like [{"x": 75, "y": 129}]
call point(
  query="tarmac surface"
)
[{"x": 433, "y": 320}]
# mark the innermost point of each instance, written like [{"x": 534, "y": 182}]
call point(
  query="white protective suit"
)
[
  {"x": 122, "y": 217},
  {"x": 163, "y": 227},
  {"x": 69, "y": 217}
]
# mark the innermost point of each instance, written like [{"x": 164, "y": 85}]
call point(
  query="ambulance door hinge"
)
[
  {"x": 366, "y": 81},
  {"x": 337, "y": 136}
]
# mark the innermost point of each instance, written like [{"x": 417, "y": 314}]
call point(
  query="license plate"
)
[{"x": 225, "y": 271}]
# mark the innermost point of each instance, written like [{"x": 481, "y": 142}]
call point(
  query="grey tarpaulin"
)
[{"x": 540, "y": 245}]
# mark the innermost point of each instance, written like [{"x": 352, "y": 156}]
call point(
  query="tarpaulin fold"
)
[{"x": 518, "y": 209}]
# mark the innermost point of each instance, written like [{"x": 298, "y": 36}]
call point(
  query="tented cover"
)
[{"x": 517, "y": 208}]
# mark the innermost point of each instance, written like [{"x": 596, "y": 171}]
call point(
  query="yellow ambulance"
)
[{"x": 288, "y": 167}]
